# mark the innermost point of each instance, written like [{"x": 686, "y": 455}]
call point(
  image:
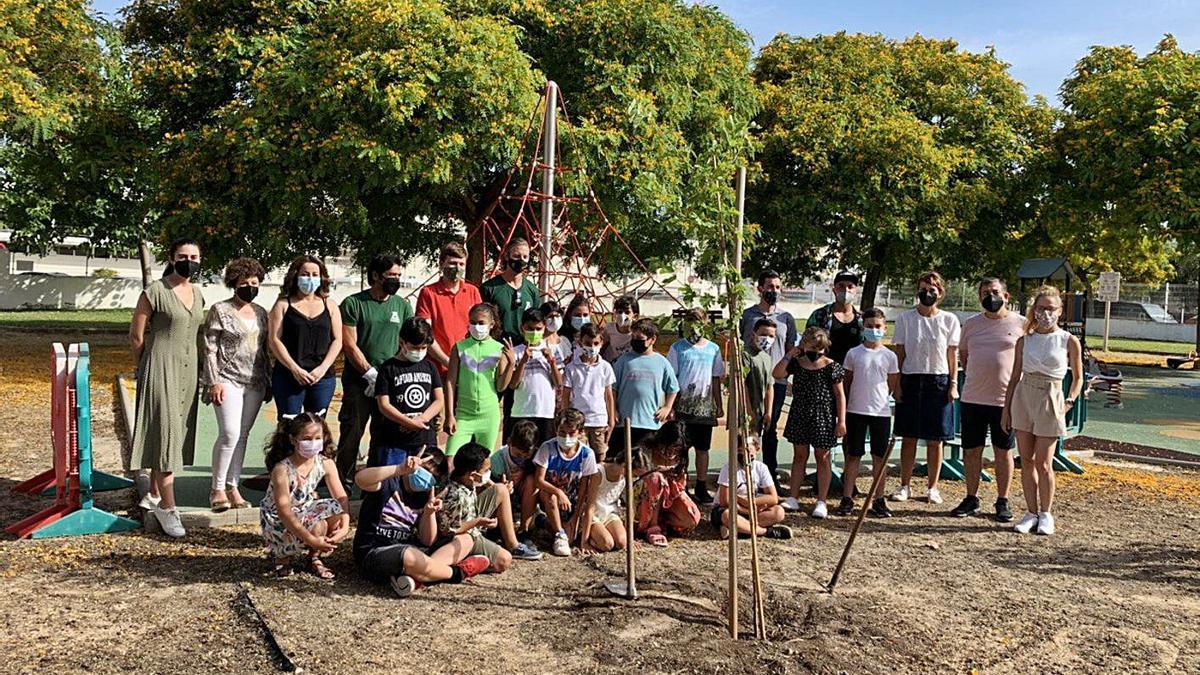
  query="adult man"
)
[
  {"x": 986, "y": 350},
  {"x": 511, "y": 291},
  {"x": 446, "y": 303},
  {"x": 840, "y": 318},
  {"x": 371, "y": 321},
  {"x": 769, "y": 287}
]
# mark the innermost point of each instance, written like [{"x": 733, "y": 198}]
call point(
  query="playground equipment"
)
[{"x": 73, "y": 478}]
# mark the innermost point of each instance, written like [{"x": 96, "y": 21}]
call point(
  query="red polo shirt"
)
[{"x": 448, "y": 312}]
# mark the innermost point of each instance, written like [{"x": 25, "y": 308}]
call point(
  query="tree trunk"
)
[
  {"x": 874, "y": 274},
  {"x": 147, "y": 263}
]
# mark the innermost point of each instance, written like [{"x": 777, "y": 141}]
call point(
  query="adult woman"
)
[
  {"x": 305, "y": 337},
  {"x": 162, "y": 335},
  {"x": 926, "y": 341},
  {"x": 236, "y": 376},
  {"x": 1035, "y": 407}
]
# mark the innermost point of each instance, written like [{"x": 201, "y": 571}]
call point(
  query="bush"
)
[{"x": 105, "y": 273}]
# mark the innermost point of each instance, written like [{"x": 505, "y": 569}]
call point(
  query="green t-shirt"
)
[
  {"x": 758, "y": 378},
  {"x": 378, "y": 325},
  {"x": 512, "y": 303}
]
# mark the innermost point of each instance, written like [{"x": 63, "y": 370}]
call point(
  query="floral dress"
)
[
  {"x": 813, "y": 419},
  {"x": 280, "y": 542}
]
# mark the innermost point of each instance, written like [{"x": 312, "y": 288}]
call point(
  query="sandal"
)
[
  {"x": 320, "y": 570},
  {"x": 218, "y": 505},
  {"x": 238, "y": 502},
  {"x": 655, "y": 537}
]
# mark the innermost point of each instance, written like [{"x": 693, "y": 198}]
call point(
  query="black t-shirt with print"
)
[
  {"x": 409, "y": 386},
  {"x": 388, "y": 516}
]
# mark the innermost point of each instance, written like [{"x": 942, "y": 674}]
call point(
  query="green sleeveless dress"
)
[{"x": 477, "y": 403}]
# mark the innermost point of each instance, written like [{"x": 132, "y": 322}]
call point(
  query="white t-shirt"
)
[
  {"x": 535, "y": 397},
  {"x": 587, "y": 382},
  {"x": 869, "y": 387},
  {"x": 762, "y": 477},
  {"x": 925, "y": 339}
]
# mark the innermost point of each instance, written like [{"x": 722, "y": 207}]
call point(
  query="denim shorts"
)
[{"x": 924, "y": 410}]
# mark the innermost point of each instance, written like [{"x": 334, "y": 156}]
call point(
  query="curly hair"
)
[
  {"x": 289, "y": 286},
  {"x": 281, "y": 445},
  {"x": 243, "y": 268}
]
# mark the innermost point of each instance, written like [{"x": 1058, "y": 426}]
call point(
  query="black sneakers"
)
[
  {"x": 779, "y": 532},
  {"x": 1003, "y": 513},
  {"x": 969, "y": 506},
  {"x": 879, "y": 508},
  {"x": 845, "y": 507},
  {"x": 701, "y": 494}
]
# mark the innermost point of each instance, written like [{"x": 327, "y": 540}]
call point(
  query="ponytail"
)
[{"x": 1045, "y": 291}]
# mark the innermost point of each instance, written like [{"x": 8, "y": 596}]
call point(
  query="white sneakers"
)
[
  {"x": 934, "y": 496},
  {"x": 169, "y": 520},
  {"x": 561, "y": 546},
  {"x": 820, "y": 510},
  {"x": 1045, "y": 523},
  {"x": 791, "y": 505},
  {"x": 1026, "y": 524},
  {"x": 149, "y": 502},
  {"x": 900, "y": 495}
]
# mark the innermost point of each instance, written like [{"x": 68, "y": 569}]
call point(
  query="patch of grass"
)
[
  {"x": 1142, "y": 346},
  {"x": 104, "y": 319}
]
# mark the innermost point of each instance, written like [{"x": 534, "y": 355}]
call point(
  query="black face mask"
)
[
  {"x": 812, "y": 356},
  {"x": 517, "y": 265},
  {"x": 390, "y": 285},
  {"x": 770, "y": 297},
  {"x": 927, "y": 298},
  {"x": 992, "y": 302},
  {"x": 638, "y": 345},
  {"x": 246, "y": 293},
  {"x": 186, "y": 268}
]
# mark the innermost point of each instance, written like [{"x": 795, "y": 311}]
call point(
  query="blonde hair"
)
[
  {"x": 817, "y": 336},
  {"x": 934, "y": 279},
  {"x": 1031, "y": 314}
]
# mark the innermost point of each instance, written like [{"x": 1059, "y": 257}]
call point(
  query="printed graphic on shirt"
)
[
  {"x": 395, "y": 317},
  {"x": 479, "y": 365}
]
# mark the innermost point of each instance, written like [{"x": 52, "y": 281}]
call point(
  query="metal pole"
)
[
  {"x": 1107, "y": 313},
  {"x": 550, "y": 132},
  {"x": 630, "y": 512}
]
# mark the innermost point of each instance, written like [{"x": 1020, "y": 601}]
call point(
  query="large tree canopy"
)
[
  {"x": 885, "y": 155},
  {"x": 293, "y": 125}
]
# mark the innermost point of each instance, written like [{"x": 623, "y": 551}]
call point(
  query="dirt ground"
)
[{"x": 1116, "y": 590}]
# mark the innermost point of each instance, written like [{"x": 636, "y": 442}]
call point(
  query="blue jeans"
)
[{"x": 293, "y": 398}]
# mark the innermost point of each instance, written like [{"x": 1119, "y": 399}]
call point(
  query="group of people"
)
[{"x": 495, "y": 414}]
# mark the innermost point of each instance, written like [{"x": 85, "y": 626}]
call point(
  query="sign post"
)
[{"x": 1108, "y": 291}]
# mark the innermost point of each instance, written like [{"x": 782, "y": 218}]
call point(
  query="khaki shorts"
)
[
  {"x": 597, "y": 440},
  {"x": 1038, "y": 406},
  {"x": 487, "y": 503}
]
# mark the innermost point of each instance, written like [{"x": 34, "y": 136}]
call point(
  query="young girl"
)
[
  {"x": 579, "y": 314},
  {"x": 553, "y": 338},
  {"x": 661, "y": 495},
  {"x": 608, "y": 528},
  {"x": 818, "y": 416},
  {"x": 766, "y": 500},
  {"x": 479, "y": 369},
  {"x": 299, "y": 455},
  {"x": 1035, "y": 406},
  {"x": 619, "y": 332}
]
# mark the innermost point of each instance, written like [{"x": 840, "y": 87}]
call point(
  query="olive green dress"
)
[{"x": 164, "y": 435}]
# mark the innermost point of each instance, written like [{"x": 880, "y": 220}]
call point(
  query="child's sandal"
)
[
  {"x": 655, "y": 537},
  {"x": 320, "y": 570}
]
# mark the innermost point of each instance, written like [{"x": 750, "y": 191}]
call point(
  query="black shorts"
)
[
  {"x": 857, "y": 427},
  {"x": 616, "y": 443},
  {"x": 545, "y": 429},
  {"x": 924, "y": 410},
  {"x": 698, "y": 435},
  {"x": 718, "y": 512},
  {"x": 977, "y": 420},
  {"x": 382, "y": 563}
]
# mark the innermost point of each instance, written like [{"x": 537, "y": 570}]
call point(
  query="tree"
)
[{"x": 886, "y": 155}]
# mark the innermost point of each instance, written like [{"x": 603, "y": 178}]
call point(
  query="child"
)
[
  {"x": 479, "y": 369},
  {"x": 608, "y": 529},
  {"x": 619, "y": 332},
  {"x": 396, "y": 526},
  {"x": 588, "y": 387},
  {"x": 555, "y": 336},
  {"x": 299, "y": 455},
  {"x": 536, "y": 378},
  {"x": 766, "y": 499},
  {"x": 567, "y": 482},
  {"x": 872, "y": 373},
  {"x": 661, "y": 494},
  {"x": 472, "y": 503},
  {"x": 512, "y": 464},
  {"x": 408, "y": 390},
  {"x": 645, "y": 384},
  {"x": 579, "y": 314},
  {"x": 699, "y": 368},
  {"x": 818, "y": 416}
]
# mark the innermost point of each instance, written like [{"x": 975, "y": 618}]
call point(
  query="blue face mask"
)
[
  {"x": 578, "y": 322},
  {"x": 420, "y": 480},
  {"x": 308, "y": 285},
  {"x": 874, "y": 334}
]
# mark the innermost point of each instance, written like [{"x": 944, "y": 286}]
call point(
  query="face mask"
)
[
  {"x": 452, "y": 273},
  {"x": 390, "y": 285},
  {"x": 590, "y": 352},
  {"x": 764, "y": 343},
  {"x": 480, "y": 331},
  {"x": 578, "y": 322},
  {"x": 770, "y": 297},
  {"x": 186, "y": 268},
  {"x": 693, "y": 335},
  {"x": 842, "y": 296},
  {"x": 533, "y": 338},
  {"x": 246, "y": 293},
  {"x": 623, "y": 320},
  {"x": 812, "y": 356},
  {"x": 308, "y": 285},
  {"x": 517, "y": 265},
  {"x": 638, "y": 345},
  {"x": 416, "y": 356},
  {"x": 1046, "y": 318},
  {"x": 874, "y": 334},
  {"x": 927, "y": 297},
  {"x": 310, "y": 448},
  {"x": 553, "y": 324},
  {"x": 420, "y": 480},
  {"x": 567, "y": 442},
  {"x": 992, "y": 302}
]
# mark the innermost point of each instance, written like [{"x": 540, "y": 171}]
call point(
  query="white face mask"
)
[
  {"x": 764, "y": 343},
  {"x": 1046, "y": 318},
  {"x": 553, "y": 324},
  {"x": 567, "y": 442},
  {"x": 416, "y": 356},
  {"x": 310, "y": 447},
  {"x": 623, "y": 320},
  {"x": 480, "y": 331},
  {"x": 590, "y": 352}
]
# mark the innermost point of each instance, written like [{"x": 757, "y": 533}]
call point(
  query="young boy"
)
[
  {"x": 468, "y": 507},
  {"x": 872, "y": 372},
  {"x": 766, "y": 499},
  {"x": 699, "y": 369},
  {"x": 408, "y": 390},
  {"x": 536, "y": 378},
  {"x": 619, "y": 332},
  {"x": 760, "y": 385},
  {"x": 646, "y": 386},
  {"x": 512, "y": 464},
  {"x": 588, "y": 387},
  {"x": 567, "y": 478}
]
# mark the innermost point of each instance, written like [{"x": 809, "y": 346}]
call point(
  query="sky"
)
[{"x": 1041, "y": 40}]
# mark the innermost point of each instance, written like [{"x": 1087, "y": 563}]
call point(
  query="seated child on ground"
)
[
  {"x": 473, "y": 504},
  {"x": 293, "y": 519},
  {"x": 513, "y": 465},
  {"x": 567, "y": 481},
  {"x": 608, "y": 526},
  {"x": 661, "y": 495},
  {"x": 766, "y": 499}
]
